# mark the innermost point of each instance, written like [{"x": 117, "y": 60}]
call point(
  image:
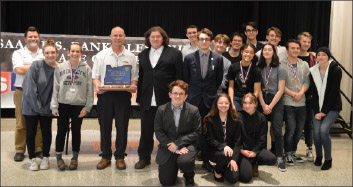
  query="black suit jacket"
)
[
  {"x": 168, "y": 69},
  {"x": 188, "y": 132},
  {"x": 215, "y": 135},
  {"x": 199, "y": 88}
]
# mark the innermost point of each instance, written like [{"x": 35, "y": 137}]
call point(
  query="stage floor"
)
[{"x": 16, "y": 173}]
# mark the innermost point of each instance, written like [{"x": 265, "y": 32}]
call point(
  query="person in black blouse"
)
[
  {"x": 223, "y": 128},
  {"x": 253, "y": 137},
  {"x": 244, "y": 76}
]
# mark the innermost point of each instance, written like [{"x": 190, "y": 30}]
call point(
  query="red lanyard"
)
[
  {"x": 267, "y": 78},
  {"x": 73, "y": 80},
  {"x": 294, "y": 74},
  {"x": 247, "y": 73}
]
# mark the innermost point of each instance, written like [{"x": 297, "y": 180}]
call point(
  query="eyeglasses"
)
[
  {"x": 251, "y": 30},
  {"x": 178, "y": 94},
  {"x": 204, "y": 39}
]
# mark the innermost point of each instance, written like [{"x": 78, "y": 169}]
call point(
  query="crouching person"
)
[{"x": 177, "y": 127}]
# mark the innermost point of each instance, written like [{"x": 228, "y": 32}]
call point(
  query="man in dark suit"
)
[
  {"x": 177, "y": 126},
  {"x": 159, "y": 65},
  {"x": 203, "y": 71}
]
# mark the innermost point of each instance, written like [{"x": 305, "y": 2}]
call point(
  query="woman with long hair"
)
[
  {"x": 223, "y": 128},
  {"x": 253, "y": 138},
  {"x": 272, "y": 88},
  {"x": 244, "y": 76},
  {"x": 325, "y": 80},
  {"x": 37, "y": 92}
]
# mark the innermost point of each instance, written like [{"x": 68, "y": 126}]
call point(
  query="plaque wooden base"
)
[{"x": 133, "y": 90}]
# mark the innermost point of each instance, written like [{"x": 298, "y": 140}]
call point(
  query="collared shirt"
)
[
  {"x": 23, "y": 57},
  {"x": 155, "y": 54},
  {"x": 108, "y": 57},
  {"x": 204, "y": 62},
  {"x": 187, "y": 49},
  {"x": 176, "y": 114}
]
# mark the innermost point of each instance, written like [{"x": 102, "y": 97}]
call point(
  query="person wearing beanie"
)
[{"x": 326, "y": 80}]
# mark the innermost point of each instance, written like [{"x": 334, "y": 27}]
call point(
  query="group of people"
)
[{"x": 204, "y": 103}]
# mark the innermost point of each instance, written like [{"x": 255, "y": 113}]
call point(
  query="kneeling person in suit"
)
[{"x": 177, "y": 127}]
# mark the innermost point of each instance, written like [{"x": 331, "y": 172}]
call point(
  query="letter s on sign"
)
[{"x": 4, "y": 82}]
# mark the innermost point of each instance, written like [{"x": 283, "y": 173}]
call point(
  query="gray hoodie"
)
[{"x": 62, "y": 89}]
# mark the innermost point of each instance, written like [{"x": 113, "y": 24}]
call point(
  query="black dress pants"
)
[
  {"x": 168, "y": 172},
  {"x": 264, "y": 157},
  {"x": 222, "y": 162},
  {"x": 65, "y": 113},
  {"x": 147, "y": 129},
  {"x": 114, "y": 104}
]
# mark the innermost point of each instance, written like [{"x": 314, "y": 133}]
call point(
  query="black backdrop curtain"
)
[{"x": 97, "y": 18}]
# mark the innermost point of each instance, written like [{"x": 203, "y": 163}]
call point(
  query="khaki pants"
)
[{"x": 20, "y": 131}]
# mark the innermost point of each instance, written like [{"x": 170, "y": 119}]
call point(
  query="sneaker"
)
[
  {"x": 297, "y": 158},
  {"x": 281, "y": 166},
  {"x": 33, "y": 165},
  {"x": 45, "y": 163},
  {"x": 309, "y": 154},
  {"x": 289, "y": 160}
]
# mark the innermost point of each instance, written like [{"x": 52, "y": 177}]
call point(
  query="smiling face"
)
[
  {"x": 247, "y": 54},
  {"x": 75, "y": 52},
  {"x": 237, "y": 42},
  {"x": 177, "y": 96},
  {"x": 220, "y": 46},
  {"x": 50, "y": 54},
  {"x": 32, "y": 39},
  {"x": 204, "y": 42},
  {"x": 305, "y": 43},
  {"x": 293, "y": 50},
  {"x": 223, "y": 104},
  {"x": 117, "y": 36},
  {"x": 191, "y": 33},
  {"x": 273, "y": 38}
]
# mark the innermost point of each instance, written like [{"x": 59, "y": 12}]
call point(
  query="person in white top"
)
[
  {"x": 191, "y": 33},
  {"x": 21, "y": 61},
  {"x": 273, "y": 36},
  {"x": 113, "y": 104}
]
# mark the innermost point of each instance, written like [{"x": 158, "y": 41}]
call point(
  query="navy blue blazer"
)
[{"x": 199, "y": 88}]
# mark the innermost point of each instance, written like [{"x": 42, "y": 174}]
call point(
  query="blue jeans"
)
[
  {"x": 322, "y": 136},
  {"x": 308, "y": 127},
  {"x": 237, "y": 103},
  {"x": 295, "y": 121}
]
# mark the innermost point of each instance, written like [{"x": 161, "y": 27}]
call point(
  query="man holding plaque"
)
[
  {"x": 114, "y": 76},
  {"x": 297, "y": 83},
  {"x": 159, "y": 65}
]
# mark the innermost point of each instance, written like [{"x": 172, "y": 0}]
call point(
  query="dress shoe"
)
[
  {"x": 120, "y": 164},
  {"x": 19, "y": 157},
  {"x": 318, "y": 161},
  {"x": 103, "y": 163},
  {"x": 142, "y": 164},
  {"x": 218, "y": 179},
  {"x": 207, "y": 166},
  {"x": 61, "y": 165},
  {"x": 189, "y": 181},
  {"x": 73, "y": 165},
  {"x": 39, "y": 154}
]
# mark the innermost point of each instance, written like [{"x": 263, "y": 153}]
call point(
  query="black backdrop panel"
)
[{"x": 97, "y": 18}]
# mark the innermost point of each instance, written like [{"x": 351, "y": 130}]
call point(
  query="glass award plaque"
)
[{"x": 117, "y": 79}]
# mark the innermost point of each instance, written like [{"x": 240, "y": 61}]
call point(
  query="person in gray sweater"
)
[
  {"x": 72, "y": 98},
  {"x": 37, "y": 91}
]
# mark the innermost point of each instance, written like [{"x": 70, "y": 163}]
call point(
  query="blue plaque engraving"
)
[{"x": 117, "y": 76}]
